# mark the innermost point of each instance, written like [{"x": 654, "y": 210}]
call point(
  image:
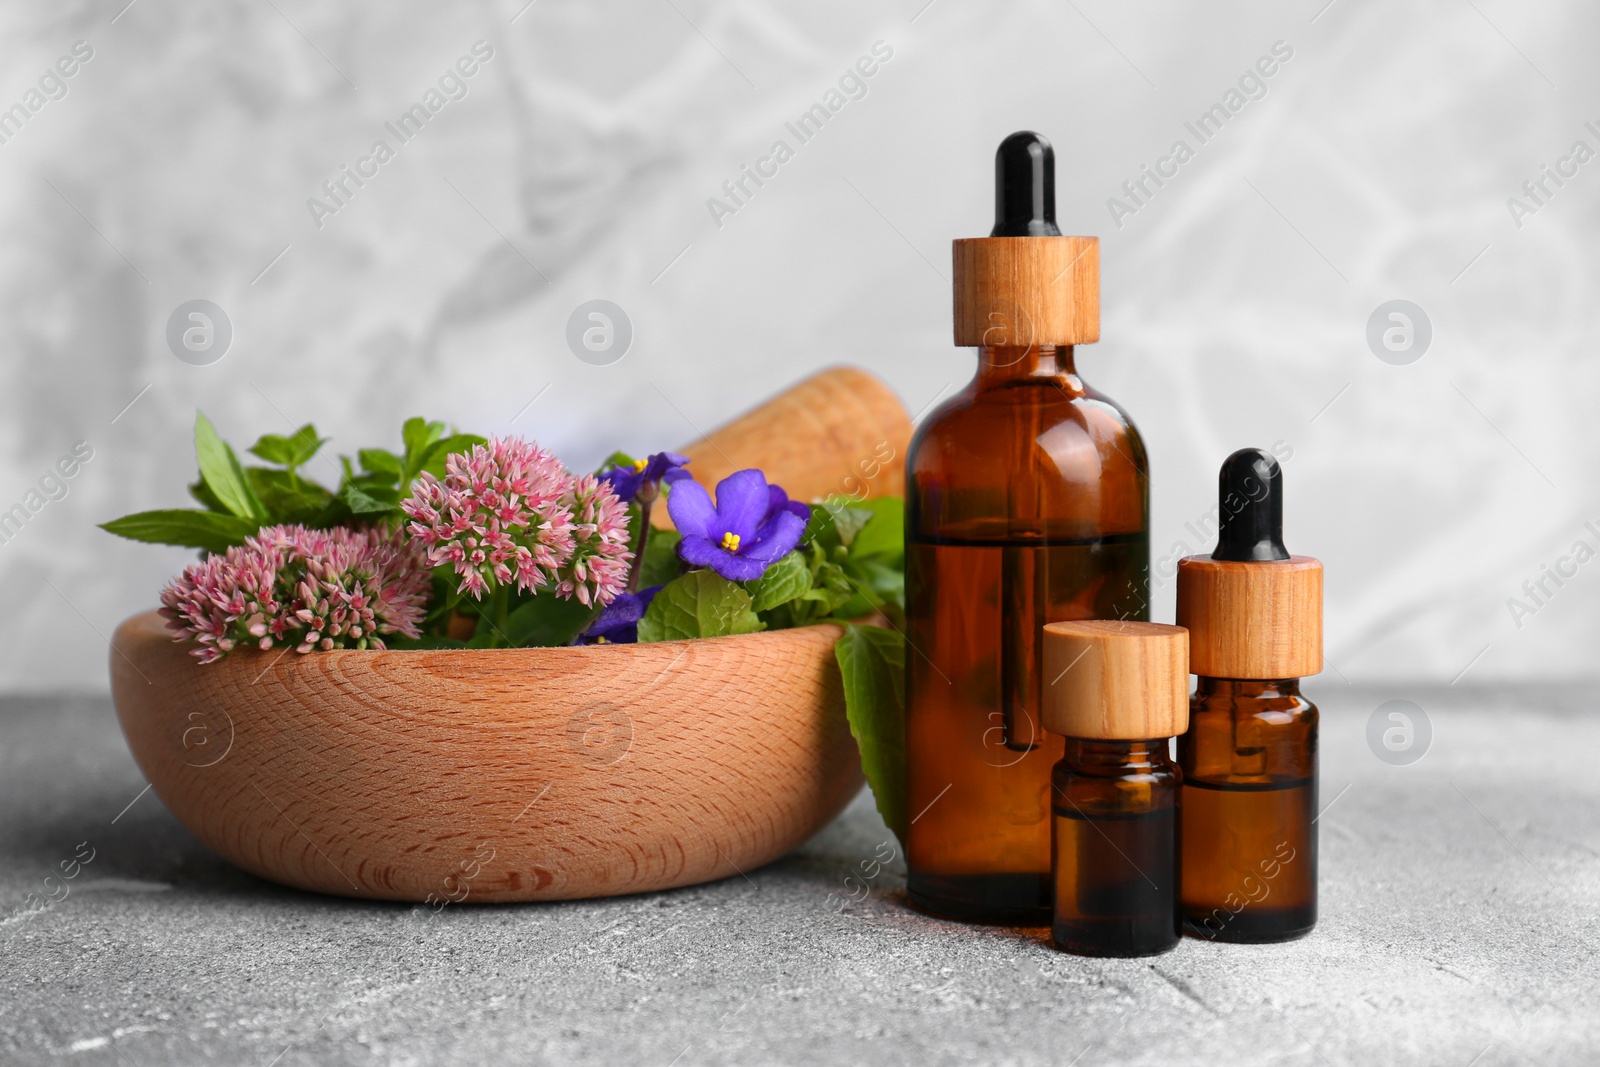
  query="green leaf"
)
[
  {"x": 188, "y": 527},
  {"x": 274, "y": 448},
  {"x": 884, "y": 533},
  {"x": 831, "y": 589},
  {"x": 222, "y": 474},
  {"x": 366, "y": 498},
  {"x": 291, "y": 451},
  {"x": 380, "y": 461},
  {"x": 661, "y": 564},
  {"x": 872, "y": 663},
  {"x": 547, "y": 620},
  {"x": 847, "y": 521},
  {"x": 418, "y": 434},
  {"x": 786, "y": 579},
  {"x": 287, "y": 497},
  {"x": 306, "y": 444},
  {"x": 883, "y": 580},
  {"x": 336, "y": 513},
  {"x": 820, "y": 530},
  {"x": 702, "y": 603}
]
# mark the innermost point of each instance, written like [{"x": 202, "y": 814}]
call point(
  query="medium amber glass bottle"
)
[
  {"x": 1027, "y": 503},
  {"x": 1120, "y": 692},
  {"x": 1249, "y": 798},
  {"x": 1249, "y": 758}
]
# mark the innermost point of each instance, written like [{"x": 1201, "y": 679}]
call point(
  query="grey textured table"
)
[{"x": 1460, "y": 899}]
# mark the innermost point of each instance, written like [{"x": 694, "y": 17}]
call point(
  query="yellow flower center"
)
[
  {"x": 640, "y": 464},
  {"x": 730, "y": 541}
]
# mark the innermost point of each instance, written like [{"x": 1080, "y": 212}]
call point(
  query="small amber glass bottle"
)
[
  {"x": 1249, "y": 758},
  {"x": 1027, "y": 502},
  {"x": 1120, "y": 692}
]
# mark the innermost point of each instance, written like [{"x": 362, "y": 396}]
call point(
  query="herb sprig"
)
[{"x": 238, "y": 500}]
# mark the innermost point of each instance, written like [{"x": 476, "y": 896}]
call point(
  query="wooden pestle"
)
[{"x": 841, "y": 432}]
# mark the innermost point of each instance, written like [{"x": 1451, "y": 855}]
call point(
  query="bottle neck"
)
[
  {"x": 1004, "y": 365},
  {"x": 1115, "y": 755},
  {"x": 1237, "y": 688}
]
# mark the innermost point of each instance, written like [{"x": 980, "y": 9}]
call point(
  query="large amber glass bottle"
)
[{"x": 1027, "y": 503}]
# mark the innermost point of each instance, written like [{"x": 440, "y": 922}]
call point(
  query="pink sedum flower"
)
[
  {"x": 499, "y": 516},
  {"x": 600, "y": 558},
  {"x": 307, "y": 589},
  {"x": 509, "y": 514}
]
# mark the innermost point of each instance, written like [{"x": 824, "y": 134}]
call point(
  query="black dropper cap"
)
[
  {"x": 1025, "y": 187},
  {"x": 1250, "y": 506}
]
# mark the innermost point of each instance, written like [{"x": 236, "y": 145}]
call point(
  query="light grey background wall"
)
[{"x": 1374, "y": 164}]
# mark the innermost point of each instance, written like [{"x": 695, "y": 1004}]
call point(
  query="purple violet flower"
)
[
  {"x": 618, "y": 621},
  {"x": 745, "y": 532},
  {"x": 626, "y": 482},
  {"x": 778, "y": 501}
]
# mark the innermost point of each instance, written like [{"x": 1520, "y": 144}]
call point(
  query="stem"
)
[
  {"x": 637, "y": 566},
  {"x": 502, "y": 605}
]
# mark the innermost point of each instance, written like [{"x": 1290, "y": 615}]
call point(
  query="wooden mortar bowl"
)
[{"x": 493, "y": 775}]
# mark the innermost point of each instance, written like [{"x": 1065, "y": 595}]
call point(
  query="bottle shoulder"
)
[
  {"x": 1271, "y": 708},
  {"x": 1029, "y": 458},
  {"x": 1094, "y": 790},
  {"x": 972, "y": 417},
  {"x": 1249, "y": 735}
]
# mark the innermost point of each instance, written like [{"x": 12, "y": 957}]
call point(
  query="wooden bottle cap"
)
[
  {"x": 1115, "y": 681},
  {"x": 1259, "y": 619},
  {"x": 1022, "y": 291}
]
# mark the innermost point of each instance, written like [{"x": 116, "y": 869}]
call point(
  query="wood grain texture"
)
[
  {"x": 1252, "y": 619},
  {"x": 1021, "y": 291},
  {"x": 840, "y": 432},
  {"x": 1115, "y": 681},
  {"x": 504, "y": 775}
]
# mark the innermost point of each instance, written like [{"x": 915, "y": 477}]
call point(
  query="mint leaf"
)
[
  {"x": 786, "y": 579},
  {"x": 702, "y": 603},
  {"x": 418, "y": 434},
  {"x": 304, "y": 444},
  {"x": 872, "y": 663},
  {"x": 274, "y": 448},
  {"x": 847, "y": 521},
  {"x": 884, "y": 533},
  {"x": 292, "y": 451},
  {"x": 379, "y": 461},
  {"x": 222, "y": 474},
  {"x": 820, "y": 530},
  {"x": 883, "y": 580},
  {"x": 287, "y": 497},
  {"x": 830, "y": 590},
  {"x": 188, "y": 527},
  {"x": 661, "y": 564},
  {"x": 368, "y": 498},
  {"x": 547, "y": 620}
]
